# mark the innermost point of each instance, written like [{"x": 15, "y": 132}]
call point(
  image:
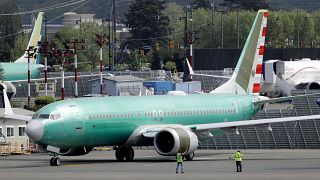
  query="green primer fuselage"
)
[
  {"x": 111, "y": 120},
  {"x": 19, "y": 71}
]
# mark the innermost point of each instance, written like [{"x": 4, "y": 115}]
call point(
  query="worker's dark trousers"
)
[{"x": 239, "y": 166}]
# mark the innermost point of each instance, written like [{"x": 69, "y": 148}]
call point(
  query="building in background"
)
[{"x": 117, "y": 85}]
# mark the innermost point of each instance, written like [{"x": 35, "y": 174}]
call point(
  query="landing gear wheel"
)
[
  {"x": 129, "y": 153},
  {"x": 57, "y": 161},
  {"x": 189, "y": 157},
  {"x": 52, "y": 161},
  {"x": 120, "y": 154}
]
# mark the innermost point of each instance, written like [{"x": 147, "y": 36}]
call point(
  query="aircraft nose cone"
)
[{"x": 34, "y": 130}]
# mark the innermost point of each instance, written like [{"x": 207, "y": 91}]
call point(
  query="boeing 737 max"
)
[
  {"x": 170, "y": 123},
  {"x": 18, "y": 70}
]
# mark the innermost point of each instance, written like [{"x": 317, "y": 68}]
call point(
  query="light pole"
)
[
  {"x": 30, "y": 54},
  {"x": 238, "y": 38},
  {"x": 221, "y": 29}
]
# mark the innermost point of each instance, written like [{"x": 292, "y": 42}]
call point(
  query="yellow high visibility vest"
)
[
  {"x": 179, "y": 157},
  {"x": 237, "y": 156}
]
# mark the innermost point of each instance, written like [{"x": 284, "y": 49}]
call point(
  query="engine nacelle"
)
[
  {"x": 75, "y": 151},
  {"x": 314, "y": 85},
  {"x": 169, "y": 141}
]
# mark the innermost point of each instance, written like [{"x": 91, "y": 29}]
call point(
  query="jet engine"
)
[
  {"x": 75, "y": 151},
  {"x": 314, "y": 85},
  {"x": 168, "y": 141}
]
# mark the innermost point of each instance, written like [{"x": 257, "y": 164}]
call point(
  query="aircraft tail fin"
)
[
  {"x": 247, "y": 75},
  {"x": 33, "y": 42}
]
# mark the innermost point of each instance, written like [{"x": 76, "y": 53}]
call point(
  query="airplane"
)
[
  {"x": 167, "y": 122},
  {"x": 18, "y": 70},
  {"x": 280, "y": 77}
]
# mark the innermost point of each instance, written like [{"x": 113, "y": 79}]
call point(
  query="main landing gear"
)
[
  {"x": 189, "y": 157},
  {"x": 55, "y": 160},
  {"x": 124, "y": 152}
]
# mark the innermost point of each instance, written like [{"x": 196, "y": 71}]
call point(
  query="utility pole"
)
[
  {"x": 114, "y": 32},
  {"x": 31, "y": 52},
  {"x": 101, "y": 40},
  {"x": 45, "y": 56},
  {"x": 74, "y": 50},
  {"x": 212, "y": 12},
  {"x": 298, "y": 26},
  {"x": 221, "y": 29},
  {"x": 109, "y": 38},
  {"x": 238, "y": 38},
  {"x": 192, "y": 39}
]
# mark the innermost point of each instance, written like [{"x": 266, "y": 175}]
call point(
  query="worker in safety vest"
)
[
  {"x": 238, "y": 158},
  {"x": 179, "y": 158}
]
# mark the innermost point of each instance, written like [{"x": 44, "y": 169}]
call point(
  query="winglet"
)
[
  {"x": 189, "y": 67},
  {"x": 8, "y": 110}
]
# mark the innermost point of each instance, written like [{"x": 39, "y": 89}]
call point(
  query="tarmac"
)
[{"x": 207, "y": 164}]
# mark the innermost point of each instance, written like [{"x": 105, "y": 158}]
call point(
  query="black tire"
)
[
  {"x": 120, "y": 154},
  {"x": 189, "y": 157},
  {"x": 57, "y": 162},
  {"x": 52, "y": 162},
  {"x": 129, "y": 153}
]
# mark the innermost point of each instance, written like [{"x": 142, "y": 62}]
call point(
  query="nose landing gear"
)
[{"x": 55, "y": 160}]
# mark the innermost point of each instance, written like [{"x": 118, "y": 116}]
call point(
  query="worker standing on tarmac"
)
[
  {"x": 238, "y": 158},
  {"x": 179, "y": 158}
]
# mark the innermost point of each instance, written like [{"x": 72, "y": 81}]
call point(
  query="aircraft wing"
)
[
  {"x": 281, "y": 99},
  {"x": 8, "y": 112},
  {"x": 233, "y": 124},
  {"x": 202, "y": 130},
  {"x": 206, "y": 75}
]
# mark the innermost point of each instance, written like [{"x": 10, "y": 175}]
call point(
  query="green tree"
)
[
  {"x": 20, "y": 45},
  {"x": 175, "y": 12},
  {"x": 148, "y": 23},
  {"x": 10, "y": 26},
  {"x": 87, "y": 58},
  {"x": 170, "y": 66}
]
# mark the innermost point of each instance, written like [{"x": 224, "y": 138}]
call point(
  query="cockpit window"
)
[
  {"x": 43, "y": 116},
  {"x": 55, "y": 116},
  {"x": 35, "y": 116}
]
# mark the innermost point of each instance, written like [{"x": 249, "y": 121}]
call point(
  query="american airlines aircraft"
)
[{"x": 280, "y": 77}]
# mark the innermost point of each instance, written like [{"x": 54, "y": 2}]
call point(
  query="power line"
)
[
  {"x": 87, "y": 1},
  {"x": 61, "y": 5}
]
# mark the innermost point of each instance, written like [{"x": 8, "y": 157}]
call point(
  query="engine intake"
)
[
  {"x": 313, "y": 85},
  {"x": 169, "y": 141}
]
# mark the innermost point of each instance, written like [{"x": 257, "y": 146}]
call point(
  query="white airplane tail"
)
[
  {"x": 247, "y": 75},
  {"x": 33, "y": 42}
]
